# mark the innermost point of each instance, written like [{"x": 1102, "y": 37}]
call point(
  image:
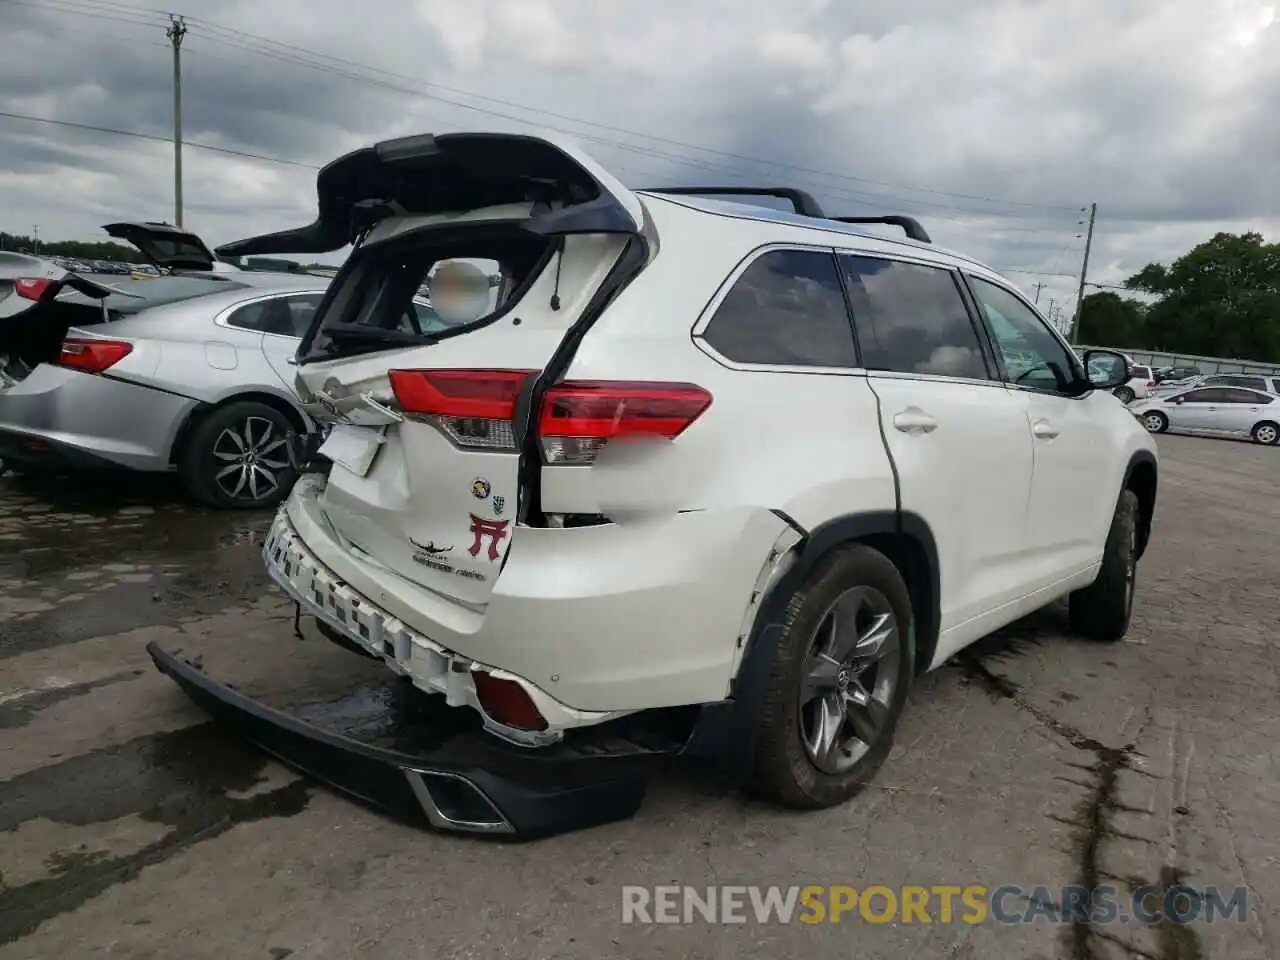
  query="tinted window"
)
[
  {"x": 282, "y": 316},
  {"x": 912, "y": 319},
  {"x": 1211, "y": 395},
  {"x": 1251, "y": 383},
  {"x": 1032, "y": 355},
  {"x": 1236, "y": 395},
  {"x": 786, "y": 308},
  {"x": 1143, "y": 373}
]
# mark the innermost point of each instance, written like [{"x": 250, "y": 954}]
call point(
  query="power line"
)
[
  {"x": 156, "y": 138},
  {"x": 292, "y": 53}
]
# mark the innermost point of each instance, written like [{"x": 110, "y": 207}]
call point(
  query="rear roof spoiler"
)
[
  {"x": 430, "y": 174},
  {"x": 803, "y": 203}
]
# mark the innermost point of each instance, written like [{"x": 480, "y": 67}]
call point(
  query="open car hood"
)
[
  {"x": 165, "y": 245},
  {"x": 26, "y": 282},
  {"x": 453, "y": 173}
]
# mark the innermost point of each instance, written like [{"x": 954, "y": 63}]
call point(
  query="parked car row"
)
[{"x": 191, "y": 372}]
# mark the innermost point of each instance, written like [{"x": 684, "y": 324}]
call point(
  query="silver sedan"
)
[
  {"x": 189, "y": 372},
  {"x": 1214, "y": 412}
]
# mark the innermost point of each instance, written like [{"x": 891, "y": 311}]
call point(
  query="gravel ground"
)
[{"x": 131, "y": 827}]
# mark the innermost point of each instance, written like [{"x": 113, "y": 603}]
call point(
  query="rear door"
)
[
  {"x": 957, "y": 437},
  {"x": 422, "y": 397}
]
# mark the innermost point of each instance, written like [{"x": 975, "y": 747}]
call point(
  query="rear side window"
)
[
  {"x": 1229, "y": 380},
  {"x": 912, "y": 319},
  {"x": 787, "y": 308},
  {"x": 282, "y": 316}
]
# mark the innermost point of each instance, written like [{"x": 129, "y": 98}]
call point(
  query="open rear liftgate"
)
[{"x": 438, "y": 767}]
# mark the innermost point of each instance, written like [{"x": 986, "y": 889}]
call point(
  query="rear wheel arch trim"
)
[
  {"x": 206, "y": 409},
  {"x": 726, "y": 729}
]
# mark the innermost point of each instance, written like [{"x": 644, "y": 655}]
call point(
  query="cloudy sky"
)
[{"x": 992, "y": 121}]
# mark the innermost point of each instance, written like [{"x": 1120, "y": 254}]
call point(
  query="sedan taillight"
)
[{"x": 93, "y": 356}]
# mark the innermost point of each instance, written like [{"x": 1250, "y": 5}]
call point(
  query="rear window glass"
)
[{"x": 414, "y": 294}]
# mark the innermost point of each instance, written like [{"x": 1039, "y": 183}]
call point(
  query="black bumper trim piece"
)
[{"x": 448, "y": 790}]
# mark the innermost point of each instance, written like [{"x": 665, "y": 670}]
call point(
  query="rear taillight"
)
[
  {"x": 31, "y": 288},
  {"x": 93, "y": 356},
  {"x": 473, "y": 408},
  {"x": 579, "y": 417},
  {"x": 1150, "y": 384}
]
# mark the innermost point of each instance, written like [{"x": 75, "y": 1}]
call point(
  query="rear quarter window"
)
[{"x": 786, "y": 309}]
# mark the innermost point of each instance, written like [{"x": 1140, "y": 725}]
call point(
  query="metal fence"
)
[{"x": 1156, "y": 358}]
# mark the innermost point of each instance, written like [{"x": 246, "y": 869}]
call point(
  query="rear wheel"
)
[
  {"x": 1155, "y": 421},
  {"x": 1125, "y": 394},
  {"x": 1266, "y": 432},
  {"x": 838, "y": 683},
  {"x": 1102, "y": 610},
  {"x": 237, "y": 457}
]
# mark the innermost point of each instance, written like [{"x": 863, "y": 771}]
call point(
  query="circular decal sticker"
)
[{"x": 480, "y": 488}]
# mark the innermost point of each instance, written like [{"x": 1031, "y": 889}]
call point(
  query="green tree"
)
[
  {"x": 72, "y": 249},
  {"x": 1110, "y": 320},
  {"x": 1220, "y": 299}
]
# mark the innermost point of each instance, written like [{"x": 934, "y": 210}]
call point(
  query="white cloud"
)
[{"x": 1163, "y": 113}]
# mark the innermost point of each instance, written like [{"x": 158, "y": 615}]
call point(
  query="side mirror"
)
[{"x": 1106, "y": 369}]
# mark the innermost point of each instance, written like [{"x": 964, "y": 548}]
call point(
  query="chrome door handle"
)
[
  {"x": 913, "y": 420},
  {"x": 1043, "y": 430}
]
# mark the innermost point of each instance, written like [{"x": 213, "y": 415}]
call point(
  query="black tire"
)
[
  {"x": 1125, "y": 394},
  {"x": 1155, "y": 422},
  {"x": 1102, "y": 610},
  {"x": 206, "y": 451},
  {"x": 784, "y": 770},
  {"x": 1267, "y": 432}
]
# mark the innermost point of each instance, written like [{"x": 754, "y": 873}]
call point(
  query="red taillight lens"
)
[
  {"x": 579, "y": 417},
  {"x": 93, "y": 356},
  {"x": 474, "y": 408},
  {"x": 1150, "y": 384},
  {"x": 31, "y": 288},
  {"x": 507, "y": 702}
]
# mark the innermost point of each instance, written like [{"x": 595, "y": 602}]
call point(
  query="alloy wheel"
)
[
  {"x": 850, "y": 674},
  {"x": 1153, "y": 422},
  {"x": 250, "y": 457},
  {"x": 1265, "y": 434}
]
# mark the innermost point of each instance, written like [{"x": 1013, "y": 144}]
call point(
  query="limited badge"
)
[
  {"x": 480, "y": 488},
  {"x": 498, "y": 504},
  {"x": 495, "y": 530}
]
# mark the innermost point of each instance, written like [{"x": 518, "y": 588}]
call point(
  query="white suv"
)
[{"x": 698, "y": 453}]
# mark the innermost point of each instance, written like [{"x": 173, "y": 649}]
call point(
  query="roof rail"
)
[
  {"x": 910, "y": 225},
  {"x": 803, "y": 203}
]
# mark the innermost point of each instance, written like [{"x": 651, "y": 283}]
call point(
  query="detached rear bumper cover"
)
[{"x": 467, "y": 782}]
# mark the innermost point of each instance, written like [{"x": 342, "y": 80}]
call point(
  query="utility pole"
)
[
  {"x": 1039, "y": 287},
  {"x": 35, "y": 238},
  {"x": 177, "y": 30},
  {"x": 1084, "y": 271}
]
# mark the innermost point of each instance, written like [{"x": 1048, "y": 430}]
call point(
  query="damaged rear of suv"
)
[{"x": 632, "y": 491}]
